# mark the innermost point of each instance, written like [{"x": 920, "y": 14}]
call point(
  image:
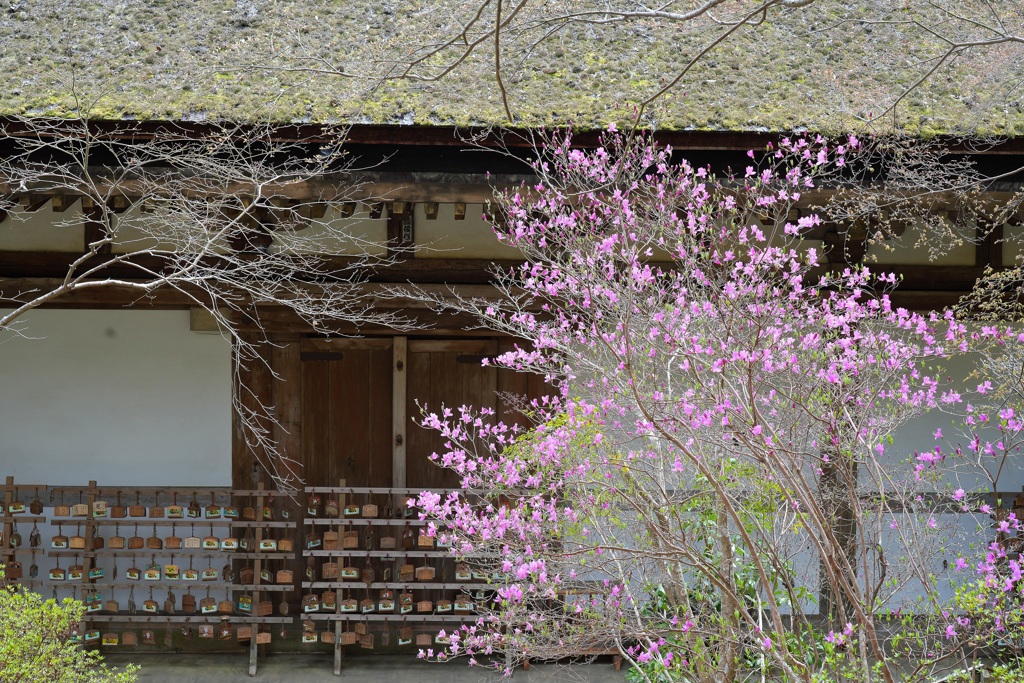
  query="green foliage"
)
[
  {"x": 1008, "y": 672},
  {"x": 34, "y": 642}
]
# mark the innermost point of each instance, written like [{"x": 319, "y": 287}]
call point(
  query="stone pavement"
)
[{"x": 226, "y": 668}]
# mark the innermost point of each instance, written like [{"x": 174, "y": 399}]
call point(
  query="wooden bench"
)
[
  {"x": 589, "y": 594},
  {"x": 596, "y": 651}
]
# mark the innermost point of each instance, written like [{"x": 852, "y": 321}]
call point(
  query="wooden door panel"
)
[
  {"x": 346, "y": 417},
  {"x": 436, "y": 378},
  {"x": 516, "y": 390}
]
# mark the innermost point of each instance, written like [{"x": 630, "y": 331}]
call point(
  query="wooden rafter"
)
[
  {"x": 95, "y": 236},
  {"x": 33, "y": 201},
  {"x": 62, "y": 202}
]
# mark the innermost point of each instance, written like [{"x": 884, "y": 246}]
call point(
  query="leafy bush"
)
[{"x": 35, "y": 644}]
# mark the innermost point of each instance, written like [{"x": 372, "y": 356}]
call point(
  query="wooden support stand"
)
[
  {"x": 9, "y": 518},
  {"x": 257, "y": 569},
  {"x": 212, "y": 517},
  {"x": 375, "y": 564},
  {"x": 339, "y": 650}
]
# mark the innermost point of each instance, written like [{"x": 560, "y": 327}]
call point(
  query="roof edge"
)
[{"x": 455, "y": 136}]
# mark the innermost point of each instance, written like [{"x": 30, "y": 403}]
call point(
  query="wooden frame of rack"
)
[
  {"x": 254, "y": 620},
  {"x": 9, "y": 519},
  {"x": 92, "y": 524},
  {"x": 337, "y": 617}
]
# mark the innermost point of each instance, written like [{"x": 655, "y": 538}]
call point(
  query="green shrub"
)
[{"x": 35, "y": 646}]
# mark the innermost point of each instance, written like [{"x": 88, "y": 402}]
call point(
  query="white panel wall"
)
[
  {"x": 45, "y": 230},
  {"x": 122, "y": 397},
  {"x": 446, "y": 237}
]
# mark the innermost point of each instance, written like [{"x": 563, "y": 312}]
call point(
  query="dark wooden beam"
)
[
  {"x": 20, "y": 290},
  {"x": 430, "y": 324},
  {"x": 314, "y": 210},
  {"x": 400, "y": 230},
  {"x": 42, "y": 264},
  {"x": 287, "y": 400},
  {"x": 255, "y": 234},
  {"x": 95, "y": 231},
  {"x": 374, "y": 186},
  {"x": 474, "y": 188},
  {"x": 938, "y": 278},
  {"x": 989, "y": 246},
  {"x": 443, "y": 136},
  {"x": 253, "y": 391},
  {"x": 925, "y": 301},
  {"x": 100, "y": 294},
  {"x": 54, "y": 264},
  {"x": 33, "y": 201},
  {"x": 280, "y": 320},
  {"x": 291, "y": 215}
]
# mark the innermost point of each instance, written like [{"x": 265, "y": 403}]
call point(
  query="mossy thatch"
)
[{"x": 828, "y": 66}]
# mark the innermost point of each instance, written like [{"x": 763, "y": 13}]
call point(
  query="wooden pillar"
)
[
  {"x": 845, "y": 244},
  {"x": 257, "y": 568},
  {"x": 400, "y": 230},
  {"x": 6, "y": 551},
  {"x": 286, "y": 363},
  {"x": 399, "y": 373},
  {"x": 252, "y": 391},
  {"x": 988, "y": 249}
]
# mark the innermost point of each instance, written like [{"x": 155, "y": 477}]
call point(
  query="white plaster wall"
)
[
  {"x": 122, "y": 397},
  {"x": 905, "y": 250},
  {"x": 1013, "y": 247},
  {"x": 445, "y": 237},
  {"x": 45, "y": 230},
  {"x": 354, "y": 236}
]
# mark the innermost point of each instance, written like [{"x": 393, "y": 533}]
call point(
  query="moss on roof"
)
[{"x": 829, "y": 66}]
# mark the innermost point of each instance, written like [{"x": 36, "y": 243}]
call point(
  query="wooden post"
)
[
  {"x": 988, "y": 250},
  {"x": 6, "y": 552},
  {"x": 337, "y": 644},
  {"x": 287, "y": 426},
  {"x": 285, "y": 361},
  {"x": 87, "y": 583},
  {"x": 253, "y": 387},
  {"x": 257, "y": 568},
  {"x": 399, "y": 386},
  {"x": 338, "y": 649}
]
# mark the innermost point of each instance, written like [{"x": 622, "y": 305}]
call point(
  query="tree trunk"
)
[
  {"x": 729, "y": 650},
  {"x": 837, "y": 487}
]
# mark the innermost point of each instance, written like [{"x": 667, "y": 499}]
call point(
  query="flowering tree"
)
[{"x": 713, "y": 489}]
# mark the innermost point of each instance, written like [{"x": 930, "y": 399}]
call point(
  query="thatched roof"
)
[{"x": 826, "y": 66}]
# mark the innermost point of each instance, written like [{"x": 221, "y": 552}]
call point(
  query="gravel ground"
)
[{"x": 366, "y": 669}]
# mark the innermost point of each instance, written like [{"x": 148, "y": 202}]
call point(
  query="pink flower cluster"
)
[{"x": 684, "y": 332}]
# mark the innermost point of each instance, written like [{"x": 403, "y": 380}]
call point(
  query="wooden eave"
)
[
  {"x": 437, "y": 165},
  {"x": 452, "y": 136}
]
